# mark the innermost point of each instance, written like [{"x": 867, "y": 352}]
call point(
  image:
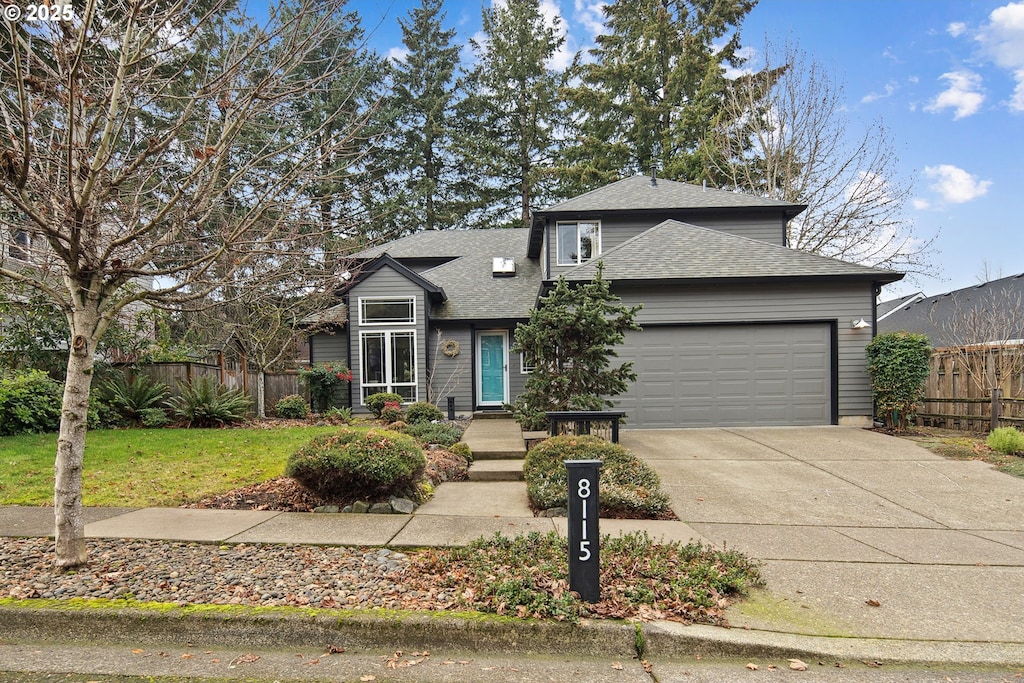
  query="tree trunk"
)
[
  {"x": 261, "y": 394},
  {"x": 67, "y": 489}
]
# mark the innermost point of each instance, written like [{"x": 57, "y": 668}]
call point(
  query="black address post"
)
[{"x": 584, "y": 535}]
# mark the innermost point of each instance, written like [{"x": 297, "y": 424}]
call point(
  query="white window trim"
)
[
  {"x": 524, "y": 368},
  {"x": 388, "y": 360},
  {"x": 381, "y": 299},
  {"x": 597, "y": 245}
]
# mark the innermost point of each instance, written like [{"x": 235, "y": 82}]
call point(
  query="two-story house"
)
[{"x": 738, "y": 329}]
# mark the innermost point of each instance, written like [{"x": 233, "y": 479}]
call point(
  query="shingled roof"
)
[
  {"x": 673, "y": 250},
  {"x": 475, "y": 294},
  {"x": 639, "y": 194}
]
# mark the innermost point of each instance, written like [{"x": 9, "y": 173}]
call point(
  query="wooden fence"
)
[
  {"x": 232, "y": 375},
  {"x": 973, "y": 390}
]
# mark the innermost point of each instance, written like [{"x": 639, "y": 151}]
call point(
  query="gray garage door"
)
[{"x": 729, "y": 375}]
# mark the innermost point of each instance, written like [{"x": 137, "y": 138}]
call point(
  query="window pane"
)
[
  {"x": 408, "y": 394},
  {"x": 403, "y": 357},
  {"x": 388, "y": 311},
  {"x": 373, "y": 359},
  {"x": 589, "y": 237},
  {"x": 567, "y": 243}
]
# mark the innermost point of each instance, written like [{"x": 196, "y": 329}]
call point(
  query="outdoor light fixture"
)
[{"x": 859, "y": 324}]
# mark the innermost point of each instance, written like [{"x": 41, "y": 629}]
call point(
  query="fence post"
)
[{"x": 997, "y": 406}]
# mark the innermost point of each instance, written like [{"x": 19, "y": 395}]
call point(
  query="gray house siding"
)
[
  {"x": 823, "y": 303},
  {"x": 325, "y": 348},
  {"x": 387, "y": 283},
  {"x": 617, "y": 229},
  {"x": 457, "y": 376}
]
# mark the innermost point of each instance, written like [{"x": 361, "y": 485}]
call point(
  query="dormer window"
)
[{"x": 578, "y": 241}]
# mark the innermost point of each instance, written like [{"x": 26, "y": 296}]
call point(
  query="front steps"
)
[
  {"x": 498, "y": 447},
  {"x": 496, "y": 470}
]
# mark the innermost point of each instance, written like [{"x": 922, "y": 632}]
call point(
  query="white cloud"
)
[
  {"x": 963, "y": 94},
  {"x": 921, "y": 204},
  {"x": 956, "y": 29},
  {"x": 1002, "y": 38},
  {"x": 889, "y": 89},
  {"x": 590, "y": 14},
  {"x": 398, "y": 54},
  {"x": 956, "y": 185}
]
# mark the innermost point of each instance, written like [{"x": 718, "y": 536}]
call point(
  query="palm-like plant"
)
[
  {"x": 130, "y": 398},
  {"x": 205, "y": 403}
]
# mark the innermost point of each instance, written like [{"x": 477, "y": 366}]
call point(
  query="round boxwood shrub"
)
[
  {"x": 1006, "y": 440},
  {"x": 422, "y": 411},
  {"x": 29, "y": 402},
  {"x": 435, "y": 432},
  {"x": 293, "y": 407},
  {"x": 628, "y": 486},
  {"x": 358, "y": 464},
  {"x": 375, "y": 403}
]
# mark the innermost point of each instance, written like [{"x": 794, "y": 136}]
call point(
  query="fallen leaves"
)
[
  {"x": 752, "y": 666},
  {"x": 873, "y": 603},
  {"x": 398, "y": 660},
  {"x": 797, "y": 665}
]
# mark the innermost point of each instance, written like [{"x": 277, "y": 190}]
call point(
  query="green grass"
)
[{"x": 150, "y": 467}]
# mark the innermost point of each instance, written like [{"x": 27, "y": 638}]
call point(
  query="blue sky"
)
[{"x": 946, "y": 77}]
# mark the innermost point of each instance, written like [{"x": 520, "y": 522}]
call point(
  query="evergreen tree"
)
[
  {"x": 423, "y": 98},
  {"x": 656, "y": 82},
  {"x": 569, "y": 340},
  {"x": 512, "y": 114}
]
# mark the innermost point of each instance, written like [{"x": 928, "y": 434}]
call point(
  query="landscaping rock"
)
[
  {"x": 360, "y": 507},
  {"x": 380, "y": 509},
  {"x": 555, "y": 512},
  {"x": 402, "y": 506},
  {"x": 326, "y": 508},
  {"x": 347, "y": 508}
]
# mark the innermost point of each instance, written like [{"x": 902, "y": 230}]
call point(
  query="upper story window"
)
[
  {"x": 381, "y": 311},
  {"x": 578, "y": 242},
  {"x": 21, "y": 246}
]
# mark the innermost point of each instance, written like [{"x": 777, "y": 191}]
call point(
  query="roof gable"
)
[
  {"x": 434, "y": 291},
  {"x": 673, "y": 250},
  {"x": 639, "y": 195}
]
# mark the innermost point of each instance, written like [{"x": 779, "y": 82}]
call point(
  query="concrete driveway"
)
[{"x": 844, "y": 518}]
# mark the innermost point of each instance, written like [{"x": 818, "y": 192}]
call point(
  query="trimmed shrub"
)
[
  {"x": 627, "y": 484},
  {"x": 1006, "y": 440},
  {"x": 375, "y": 402},
  {"x": 355, "y": 464},
  {"x": 462, "y": 448},
  {"x": 29, "y": 402},
  {"x": 205, "y": 403},
  {"x": 435, "y": 432},
  {"x": 421, "y": 411},
  {"x": 154, "y": 417},
  {"x": 898, "y": 367},
  {"x": 293, "y": 407},
  {"x": 130, "y": 398},
  {"x": 392, "y": 412}
]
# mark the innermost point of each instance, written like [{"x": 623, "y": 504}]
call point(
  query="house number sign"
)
[{"x": 584, "y": 535}]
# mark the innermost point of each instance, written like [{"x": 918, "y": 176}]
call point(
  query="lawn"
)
[
  {"x": 150, "y": 467},
  {"x": 965, "y": 446}
]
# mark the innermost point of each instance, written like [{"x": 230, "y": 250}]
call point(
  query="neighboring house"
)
[
  {"x": 738, "y": 329},
  {"x": 989, "y": 313},
  {"x": 887, "y": 308}
]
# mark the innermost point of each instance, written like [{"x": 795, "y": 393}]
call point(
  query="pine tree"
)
[
  {"x": 511, "y": 114},
  {"x": 423, "y": 98},
  {"x": 569, "y": 340},
  {"x": 655, "y": 84}
]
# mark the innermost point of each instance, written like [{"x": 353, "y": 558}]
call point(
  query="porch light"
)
[{"x": 859, "y": 324}]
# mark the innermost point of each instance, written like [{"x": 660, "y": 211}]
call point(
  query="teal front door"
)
[{"x": 492, "y": 353}]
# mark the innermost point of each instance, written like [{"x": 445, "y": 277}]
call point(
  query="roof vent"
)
[{"x": 503, "y": 266}]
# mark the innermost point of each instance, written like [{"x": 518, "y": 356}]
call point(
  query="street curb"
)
[
  {"x": 671, "y": 640},
  {"x": 242, "y": 627}
]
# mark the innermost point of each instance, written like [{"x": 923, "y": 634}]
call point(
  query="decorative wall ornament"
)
[{"x": 450, "y": 348}]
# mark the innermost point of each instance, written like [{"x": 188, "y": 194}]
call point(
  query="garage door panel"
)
[{"x": 733, "y": 375}]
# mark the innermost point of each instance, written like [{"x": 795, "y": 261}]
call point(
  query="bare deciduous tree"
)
[
  {"x": 982, "y": 331},
  {"x": 785, "y": 134},
  {"x": 151, "y": 148}
]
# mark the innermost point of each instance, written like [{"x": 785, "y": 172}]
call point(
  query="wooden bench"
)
[{"x": 582, "y": 421}]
